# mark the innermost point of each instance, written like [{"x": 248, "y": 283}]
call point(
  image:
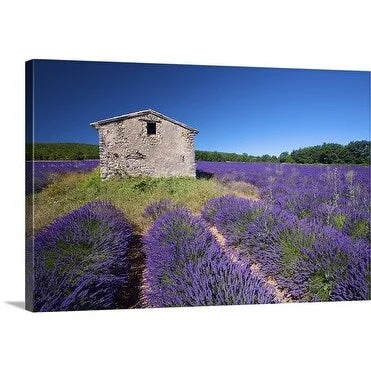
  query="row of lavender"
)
[
  {"x": 186, "y": 266},
  {"x": 333, "y": 195},
  {"x": 81, "y": 262},
  {"x": 311, "y": 262},
  {"x": 311, "y": 231}
]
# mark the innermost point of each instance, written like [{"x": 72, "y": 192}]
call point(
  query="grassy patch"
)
[
  {"x": 320, "y": 286},
  {"x": 338, "y": 221},
  {"x": 72, "y": 253},
  {"x": 360, "y": 229},
  {"x": 131, "y": 195},
  {"x": 291, "y": 242}
]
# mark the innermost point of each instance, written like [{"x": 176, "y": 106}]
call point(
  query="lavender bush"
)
[
  {"x": 311, "y": 261},
  {"x": 81, "y": 259},
  {"x": 338, "y": 196},
  {"x": 328, "y": 213},
  {"x": 334, "y": 268},
  {"x": 186, "y": 267}
]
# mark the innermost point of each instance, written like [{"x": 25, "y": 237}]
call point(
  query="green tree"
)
[
  {"x": 358, "y": 152},
  {"x": 283, "y": 156}
]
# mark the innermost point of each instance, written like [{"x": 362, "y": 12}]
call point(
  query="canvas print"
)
[{"x": 164, "y": 185}]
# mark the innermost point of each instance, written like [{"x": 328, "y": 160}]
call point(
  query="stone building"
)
[{"x": 145, "y": 143}]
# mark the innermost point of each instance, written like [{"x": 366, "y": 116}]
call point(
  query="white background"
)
[{"x": 304, "y": 34}]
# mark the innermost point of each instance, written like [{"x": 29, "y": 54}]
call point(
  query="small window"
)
[{"x": 151, "y": 128}]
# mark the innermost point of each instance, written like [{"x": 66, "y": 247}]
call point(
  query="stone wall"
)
[{"x": 126, "y": 148}]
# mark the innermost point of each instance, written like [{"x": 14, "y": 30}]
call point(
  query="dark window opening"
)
[{"x": 151, "y": 128}]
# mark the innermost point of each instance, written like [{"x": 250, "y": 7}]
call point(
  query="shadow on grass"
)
[
  {"x": 203, "y": 175},
  {"x": 131, "y": 293}
]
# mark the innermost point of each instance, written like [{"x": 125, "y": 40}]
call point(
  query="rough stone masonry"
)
[{"x": 145, "y": 143}]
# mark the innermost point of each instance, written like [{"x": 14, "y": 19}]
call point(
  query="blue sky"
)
[{"x": 236, "y": 109}]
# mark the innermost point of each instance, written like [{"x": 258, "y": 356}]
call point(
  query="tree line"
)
[
  {"x": 357, "y": 152},
  {"x": 225, "y": 156},
  {"x": 62, "y": 151}
]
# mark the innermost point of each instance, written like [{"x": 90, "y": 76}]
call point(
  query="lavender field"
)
[
  {"x": 310, "y": 231},
  {"x": 40, "y": 173},
  {"x": 304, "y": 237},
  {"x": 333, "y": 195}
]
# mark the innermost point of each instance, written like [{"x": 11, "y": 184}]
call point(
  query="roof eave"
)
[{"x": 138, "y": 113}]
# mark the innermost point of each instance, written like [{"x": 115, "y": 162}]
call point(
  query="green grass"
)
[
  {"x": 131, "y": 195},
  {"x": 360, "y": 229},
  {"x": 322, "y": 281},
  {"x": 338, "y": 221},
  {"x": 291, "y": 241},
  {"x": 320, "y": 285},
  {"x": 77, "y": 251}
]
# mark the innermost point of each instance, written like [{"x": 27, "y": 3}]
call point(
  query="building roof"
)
[{"x": 141, "y": 113}]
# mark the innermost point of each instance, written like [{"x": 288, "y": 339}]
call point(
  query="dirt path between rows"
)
[
  {"x": 281, "y": 295},
  {"x": 136, "y": 298}
]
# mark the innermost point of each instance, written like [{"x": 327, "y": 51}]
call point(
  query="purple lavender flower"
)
[
  {"x": 81, "y": 259},
  {"x": 335, "y": 268},
  {"x": 186, "y": 267},
  {"x": 332, "y": 195},
  {"x": 40, "y": 173},
  {"x": 311, "y": 261}
]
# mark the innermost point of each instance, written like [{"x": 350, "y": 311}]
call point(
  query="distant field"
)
[{"x": 40, "y": 173}]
